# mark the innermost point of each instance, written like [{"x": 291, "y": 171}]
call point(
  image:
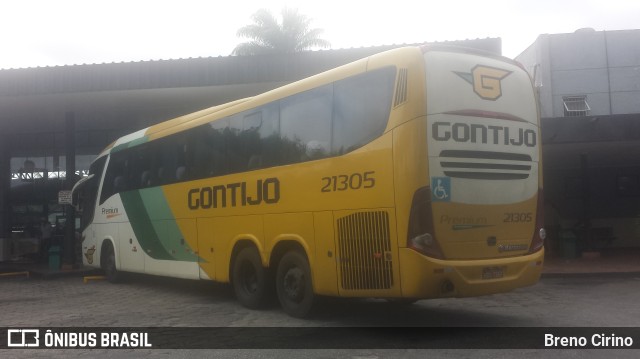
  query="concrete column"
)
[
  {"x": 586, "y": 199},
  {"x": 5, "y": 187}
]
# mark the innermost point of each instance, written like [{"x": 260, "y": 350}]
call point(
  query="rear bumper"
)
[{"x": 424, "y": 277}]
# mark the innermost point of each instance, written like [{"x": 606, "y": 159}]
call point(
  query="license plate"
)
[{"x": 492, "y": 272}]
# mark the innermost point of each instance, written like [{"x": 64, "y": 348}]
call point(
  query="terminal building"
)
[
  {"x": 589, "y": 89},
  {"x": 55, "y": 120}
]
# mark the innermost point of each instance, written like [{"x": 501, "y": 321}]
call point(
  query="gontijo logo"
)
[{"x": 486, "y": 81}]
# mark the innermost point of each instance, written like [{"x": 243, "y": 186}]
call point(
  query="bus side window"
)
[
  {"x": 181, "y": 173},
  {"x": 171, "y": 156},
  {"x": 236, "y": 148},
  {"x": 305, "y": 121},
  {"x": 250, "y": 139},
  {"x": 119, "y": 184},
  {"x": 216, "y": 144},
  {"x": 200, "y": 154},
  {"x": 235, "y": 144},
  {"x": 361, "y": 109},
  {"x": 145, "y": 179},
  {"x": 260, "y": 127},
  {"x": 140, "y": 169},
  {"x": 269, "y": 135}
]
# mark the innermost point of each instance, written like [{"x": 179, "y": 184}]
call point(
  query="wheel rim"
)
[{"x": 294, "y": 284}]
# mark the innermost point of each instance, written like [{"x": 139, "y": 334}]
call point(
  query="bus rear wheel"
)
[
  {"x": 250, "y": 279},
  {"x": 294, "y": 286}
]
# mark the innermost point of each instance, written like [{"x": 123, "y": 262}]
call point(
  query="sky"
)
[{"x": 66, "y": 32}]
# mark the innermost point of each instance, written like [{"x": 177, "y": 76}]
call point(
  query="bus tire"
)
[
  {"x": 109, "y": 264},
  {"x": 250, "y": 279},
  {"x": 294, "y": 286}
]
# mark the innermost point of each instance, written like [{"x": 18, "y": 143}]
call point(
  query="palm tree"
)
[{"x": 269, "y": 36}]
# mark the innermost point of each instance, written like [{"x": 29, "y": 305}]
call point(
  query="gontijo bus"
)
[{"x": 414, "y": 173}]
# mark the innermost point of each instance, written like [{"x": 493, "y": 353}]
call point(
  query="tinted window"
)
[
  {"x": 361, "y": 109},
  {"x": 239, "y": 143},
  {"x": 305, "y": 125},
  {"x": 140, "y": 174},
  {"x": 327, "y": 121},
  {"x": 115, "y": 180},
  {"x": 260, "y": 136},
  {"x": 170, "y": 161}
]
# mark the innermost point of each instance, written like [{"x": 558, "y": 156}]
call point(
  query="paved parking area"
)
[
  {"x": 146, "y": 301},
  {"x": 165, "y": 302}
]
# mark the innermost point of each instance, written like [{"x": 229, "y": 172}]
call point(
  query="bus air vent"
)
[
  {"x": 401, "y": 88},
  {"x": 365, "y": 251},
  {"x": 484, "y": 165}
]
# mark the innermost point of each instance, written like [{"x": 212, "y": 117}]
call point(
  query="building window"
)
[{"x": 576, "y": 106}]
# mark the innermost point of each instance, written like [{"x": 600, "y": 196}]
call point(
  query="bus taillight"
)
[
  {"x": 421, "y": 235},
  {"x": 539, "y": 233}
]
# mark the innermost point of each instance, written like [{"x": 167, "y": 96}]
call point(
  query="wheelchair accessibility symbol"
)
[{"x": 440, "y": 189}]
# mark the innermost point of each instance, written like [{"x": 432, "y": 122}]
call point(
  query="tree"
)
[{"x": 268, "y": 36}]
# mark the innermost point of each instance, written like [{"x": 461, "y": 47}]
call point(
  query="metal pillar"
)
[
  {"x": 68, "y": 254},
  {"x": 5, "y": 187}
]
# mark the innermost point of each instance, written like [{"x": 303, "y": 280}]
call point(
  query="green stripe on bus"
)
[
  {"x": 132, "y": 143},
  {"x": 155, "y": 204},
  {"x": 163, "y": 221},
  {"x": 143, "y": 226}
]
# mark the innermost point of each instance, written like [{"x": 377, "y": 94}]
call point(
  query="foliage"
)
[{"x": 267, "y": 35}]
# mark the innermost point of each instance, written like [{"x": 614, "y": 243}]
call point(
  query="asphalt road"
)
[{"x": 594, "y": 302}]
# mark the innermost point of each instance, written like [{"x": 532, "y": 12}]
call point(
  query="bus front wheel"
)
[
  {"x": 250, "y": 279},
  {"x": 294, "y": 286},
  {"x": 109, "y": 264}
]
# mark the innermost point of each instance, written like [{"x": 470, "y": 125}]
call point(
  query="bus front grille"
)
[{"x": 365, "y": 257}]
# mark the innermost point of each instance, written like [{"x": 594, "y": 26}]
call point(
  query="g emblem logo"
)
[{"x": 485, "y": 81}]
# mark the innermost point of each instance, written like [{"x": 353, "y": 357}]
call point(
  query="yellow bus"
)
[{"x": 411, "y": 174}]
